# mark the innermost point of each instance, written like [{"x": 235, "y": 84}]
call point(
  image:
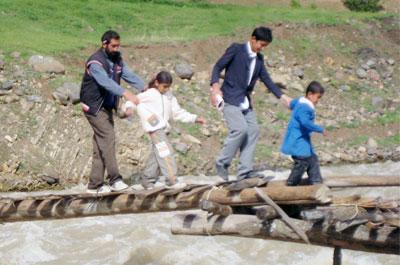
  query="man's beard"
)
[{"x": 113, "y": 56}]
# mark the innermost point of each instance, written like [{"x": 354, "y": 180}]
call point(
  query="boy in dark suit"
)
[{"x": 244, "y": 65}]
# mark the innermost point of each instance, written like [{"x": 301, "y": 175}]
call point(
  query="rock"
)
[
  {"x": 372, "y": 143},
  {"x": 45, "y": 64},
  {"x": 297, "y": 86},
  {"x": 326, "y": 157},
  {"x": 205, "y": 132},
  {"x": 361, "y": 73},
  {"x": 26, "y": 105},
  {"x": 280, "y": 79},
  {"x": 362, "y": 149},
  {"x": 34, "y": 98},
  {"x": 15, "y": 55},
  {"x": 2, "y": 64},
  {"x": 7, "y": 85},
  {"x": 373, "y": 75},
  {"x": 378, "y": 102},
  {"x": 4, "y": 92},
  {"x": 184, "y": 71},
  {"x": 390, "y": 61},
  {"x": 190, "y": 138},
  {"x": 49, "y": 179},
  {"x": 344, "y": 88},
  {"x": 69, "y": 92},
  {"x": 326, "y": 79},
  {"x": 371, "y": 63},
  {"x": 299, "y": 73},
  {"x": 11, "y": 99},
  {"x": 181, "y": 147},
  {"x": 365, "y": 66},
  {"x": 366, "y": 53}
]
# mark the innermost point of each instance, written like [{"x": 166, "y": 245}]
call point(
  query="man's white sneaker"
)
[
  {"x": 119, "y": 185},
  {"x": 178, "y": 185},
  {"x": 102, "y": 189}
]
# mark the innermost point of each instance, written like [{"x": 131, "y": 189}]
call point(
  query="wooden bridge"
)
[{"x": 257, "y": 208}]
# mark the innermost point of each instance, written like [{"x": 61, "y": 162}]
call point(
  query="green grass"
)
[
  {"x": 390, "y": 117},
  {"x": 358, "y": 140},
  {"x": 67, "y": 26},
  {"x": 391, "y": 141}
]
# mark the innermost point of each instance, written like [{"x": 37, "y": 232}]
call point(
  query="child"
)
[
  {"x": 157, "y": 105},
  {"x": 297, "y": 142}
]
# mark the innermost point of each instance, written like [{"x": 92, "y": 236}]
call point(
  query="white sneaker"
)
[
  {"x": 119, "y": 185},
  {"x": 138, "y": 187},
  {"x": 178, "y": 185},
  {"x": 102, "y": 189}
]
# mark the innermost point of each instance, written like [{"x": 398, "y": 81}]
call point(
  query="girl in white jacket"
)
[{"x": 157, "y": 105}]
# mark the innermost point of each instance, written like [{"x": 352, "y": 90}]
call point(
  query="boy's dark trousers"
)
[{"x": 301, "y": 165}]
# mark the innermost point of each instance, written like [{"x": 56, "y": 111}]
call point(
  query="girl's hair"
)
[
  {"x": 162, "y": 77},
  {"x": 315, "y": 87}
]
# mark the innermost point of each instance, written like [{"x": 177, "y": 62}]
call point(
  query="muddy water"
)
[{"x": 146, "y": 239}]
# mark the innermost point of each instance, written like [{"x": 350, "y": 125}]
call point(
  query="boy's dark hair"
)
[
  {"x": 262, "y": 33},
  {"x": 162, "y": 77},
  {"x": 108, "y": 35},
  {"x": 315, "y": 87}
]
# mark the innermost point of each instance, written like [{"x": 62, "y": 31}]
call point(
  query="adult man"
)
[
  {"x": 244, "y": 65},
  {"x": 100, "y": 92}
]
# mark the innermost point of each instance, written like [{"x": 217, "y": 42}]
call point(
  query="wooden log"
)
[
  {"x": 382, "y": 240},
  {"x": 265, "y": 212},
  {"x": 215, "y": 208},
  {"x": 317, "y": 194},
  {"x": 351, "y": 181},
  {"x": 284, "y": 216}
]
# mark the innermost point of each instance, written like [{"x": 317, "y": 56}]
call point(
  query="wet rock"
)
[
  {"x": 45, "y": 64},
  {"x": 184, "y": 71},
  {"x": 181, "y": 147},
  {"x": 7, "y": 85},
  {"x": 361, "y": 73}
]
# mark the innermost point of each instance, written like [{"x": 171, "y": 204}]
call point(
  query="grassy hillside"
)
[{"x": 54, "y": 26}]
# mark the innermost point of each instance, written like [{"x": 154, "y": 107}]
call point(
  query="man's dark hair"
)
[
  {"x": 315, "y": 87},
  {"x": 108, "y": 35},
  {"x": 262, "y": 33}
]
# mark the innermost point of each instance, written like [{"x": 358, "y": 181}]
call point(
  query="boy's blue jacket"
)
[{"x": 297, "y": 141}]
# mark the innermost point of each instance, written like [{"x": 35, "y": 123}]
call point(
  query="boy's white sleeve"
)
[{"x": 179, "y": 114}]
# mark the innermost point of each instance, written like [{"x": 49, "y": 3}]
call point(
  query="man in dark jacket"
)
[
  {"x": 100, "y": 93},
  {"x": 244, "y": 65}
]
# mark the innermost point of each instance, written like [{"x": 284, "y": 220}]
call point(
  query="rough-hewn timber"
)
[
  {"x": 380, "y": 240},
  {"x": 161, "y": 199}
]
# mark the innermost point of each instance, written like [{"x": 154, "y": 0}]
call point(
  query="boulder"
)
[
  {"x": 184, "y": 71},
  {"x": 45, "y": 64},
  {"x": 69, "y": 92}
]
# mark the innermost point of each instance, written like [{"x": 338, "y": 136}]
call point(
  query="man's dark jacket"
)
[{"x": 236, "y": 62}]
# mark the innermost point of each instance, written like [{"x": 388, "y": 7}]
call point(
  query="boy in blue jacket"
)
[{"x": 297, "y": 141}]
